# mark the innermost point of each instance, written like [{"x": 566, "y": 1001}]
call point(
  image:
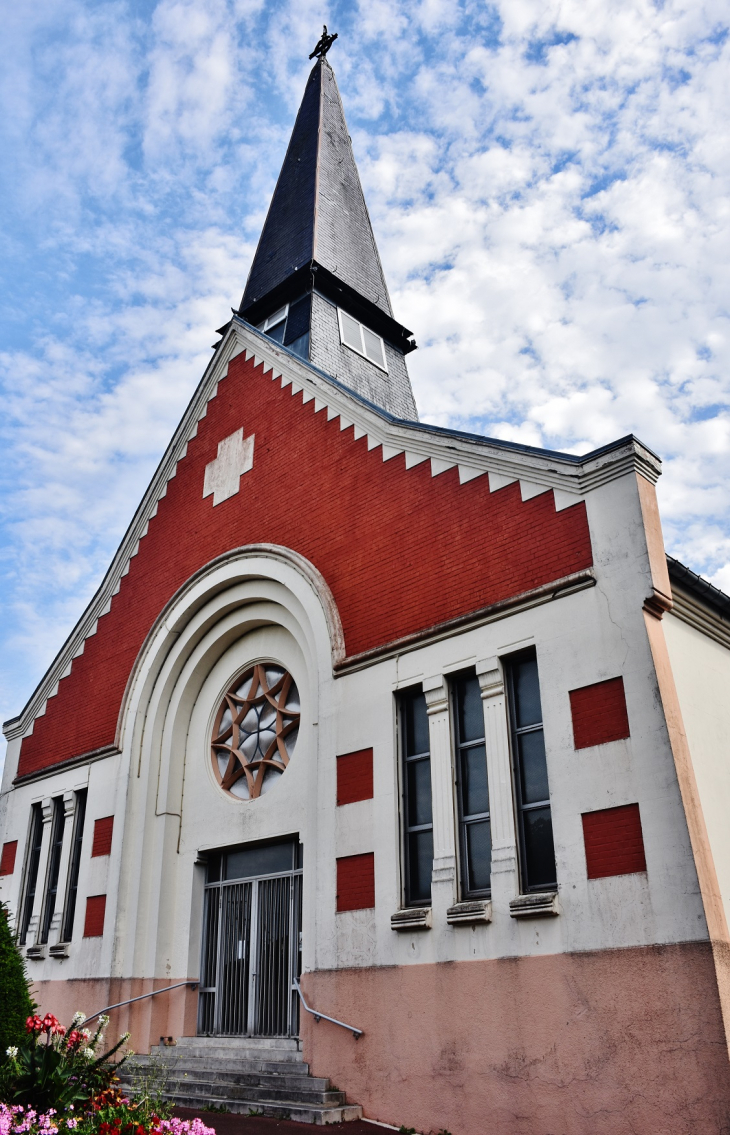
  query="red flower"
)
[
  {"x": 51, "y": 1025},
  {"x": 34, "y": 1025}
]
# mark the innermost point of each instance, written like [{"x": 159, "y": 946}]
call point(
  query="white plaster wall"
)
[
  {"x": 577, "y": 643},
  {"x": 106, "y": 786},
  {"x": 168, "y": 807},
  {"x": 701, "y": 669}
]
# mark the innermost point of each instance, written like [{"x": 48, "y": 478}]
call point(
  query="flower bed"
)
[
  {"x": 123, "y": 1117},
  {"x": 55, "y": 1082}
]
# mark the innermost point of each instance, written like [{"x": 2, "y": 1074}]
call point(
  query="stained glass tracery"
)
[{"x": 255, "y": 731}]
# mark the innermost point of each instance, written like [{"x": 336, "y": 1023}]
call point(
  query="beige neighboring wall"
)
[{"x": 701, "y": 669}]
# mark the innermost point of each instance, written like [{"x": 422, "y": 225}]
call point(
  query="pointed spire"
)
[
  {"x": 318, "y": 210},
  {"x": 316, "y": 282}
]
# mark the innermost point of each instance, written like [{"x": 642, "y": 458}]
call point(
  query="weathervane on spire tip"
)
[{"x": 324, "y": 43}]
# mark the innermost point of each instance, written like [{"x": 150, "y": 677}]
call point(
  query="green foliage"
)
[
  {"x": 17, "y": 1004},
  {"x": 50, "y": 1068},
  {"x": 147, "y": 1089}
]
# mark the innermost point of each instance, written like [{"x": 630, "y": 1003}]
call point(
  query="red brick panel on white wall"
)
[
  {"x": 614, "y": 842},
  {"x": 94, "y": 921},
  {"x": 355, "y": 776},
  {"x": 103, "y": 831},
  {"x": 7, "y": 860},
  {"x": 356, "y": 882},
  {"x": 599, "y": 713}
]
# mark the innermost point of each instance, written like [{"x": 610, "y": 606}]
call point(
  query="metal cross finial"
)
[{"x": 324, "y": 43}]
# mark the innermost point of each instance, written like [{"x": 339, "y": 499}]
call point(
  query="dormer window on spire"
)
[
  {"x": 289, "y": 325},
  {"x": 360, "y": 338}
]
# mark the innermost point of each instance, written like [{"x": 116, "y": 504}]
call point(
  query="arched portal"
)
[{"x": 220, "y": 728}]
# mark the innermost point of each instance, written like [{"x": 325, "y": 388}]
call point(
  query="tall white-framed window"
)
[{"x": 360, "y": 338}]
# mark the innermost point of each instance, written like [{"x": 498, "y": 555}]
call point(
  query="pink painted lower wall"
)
[
  {"x": 618, "y": 1042},
  {"x": 169, "y": 1014}
]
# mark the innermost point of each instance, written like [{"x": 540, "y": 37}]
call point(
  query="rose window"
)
[{"x": 255, "y": 731}]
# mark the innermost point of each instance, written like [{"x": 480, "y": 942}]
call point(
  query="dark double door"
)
[{"x": 251, "y": 945}]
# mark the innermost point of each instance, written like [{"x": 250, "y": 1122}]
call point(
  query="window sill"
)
[
  {"x": 36, "y": 953},
  {"x": 538, "y": 905},
  {"x": 411, "y": 918},
  {"x": 60, "y": 950},
  {"x": 463, "y": 913}
]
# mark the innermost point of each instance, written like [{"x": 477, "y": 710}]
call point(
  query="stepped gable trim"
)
[
  {"x": 699, "y": 603},
  {"x": 100, "y": 602},
  {"x": 538, "y": 470}
]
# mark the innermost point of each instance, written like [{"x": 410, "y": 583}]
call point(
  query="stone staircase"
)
[{"x": 249, "y": 1075}]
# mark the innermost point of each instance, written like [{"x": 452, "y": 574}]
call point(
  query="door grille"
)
[{"x": 250, "y": 957}]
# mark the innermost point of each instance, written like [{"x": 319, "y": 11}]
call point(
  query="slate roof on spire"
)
[{"x": 318, "y": 211}]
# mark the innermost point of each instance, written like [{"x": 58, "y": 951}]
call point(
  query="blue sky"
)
[{"x": 549, "y": 189}]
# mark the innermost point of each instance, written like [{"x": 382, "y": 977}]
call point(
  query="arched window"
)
[{"x": 255, "y": 731}]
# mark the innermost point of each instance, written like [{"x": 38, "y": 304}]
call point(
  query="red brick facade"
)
[
  {"x": 614, "y": 842},
  {"x": 7, "y": 860},
  {"x": 355, "y": 776},
  {"x": 103, "y": 830},
  {"x": 400, "y": 549},
  {"x": 356, "y": 882},
  {"x": 94, "y": 921},
  {"x": 599, "y": 713}
]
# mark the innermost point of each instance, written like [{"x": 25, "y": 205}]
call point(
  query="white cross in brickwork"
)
[{"x": 223, "y": 476}]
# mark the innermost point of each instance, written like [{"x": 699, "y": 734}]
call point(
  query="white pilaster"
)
[
  {"x": 443, "y": 883},
  {"x": 505, "y": 867}
]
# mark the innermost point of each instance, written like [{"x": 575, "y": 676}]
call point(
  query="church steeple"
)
[{"x": 316, "y": 282}]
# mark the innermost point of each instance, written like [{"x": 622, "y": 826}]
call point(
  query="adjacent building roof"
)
[{"x": 700, "y": 588}]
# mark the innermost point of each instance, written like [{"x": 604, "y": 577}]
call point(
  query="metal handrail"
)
[
  {"x": 119, "y": 1004},
  {"x": 357, "y": 1033}
]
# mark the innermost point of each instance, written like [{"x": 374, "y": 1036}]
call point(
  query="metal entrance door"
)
[{"x": 251, "y": 955}]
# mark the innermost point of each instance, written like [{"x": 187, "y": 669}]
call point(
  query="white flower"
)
[
  {"x": 77, "y": 1018},
  {"x": 88, "y": 1053},
  {"x": 12, "y": 1052},
  {"x": 103, "y": 1020}
]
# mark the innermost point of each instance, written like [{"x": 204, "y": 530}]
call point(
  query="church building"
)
[{"x": 393, "y": 760}]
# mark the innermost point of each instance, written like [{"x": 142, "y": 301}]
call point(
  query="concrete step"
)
[
  {"x": 259, "y": 1075},
  {"x": 202, "y": 1089},
  {"x": 276, "y": 1109},
  {"x": 231, "y": 1056},
  {"x": 226, "y": 1064},
  {"x": 279, "y": 1043},
  {"x": 257, "y": 1079}
]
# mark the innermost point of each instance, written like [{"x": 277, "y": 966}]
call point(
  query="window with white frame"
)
[
  {"x": 472, "y": 789},
  {"x": 74, "y": 866},
  {"x": 417, "y": 808},
  {"x": 275, "y": 325},
  {"x": 360, "y": 338},
  {"x": 532, "y": 794},
  {"x": 289, "y": 325},
  {"x": 32, "y": 862}
]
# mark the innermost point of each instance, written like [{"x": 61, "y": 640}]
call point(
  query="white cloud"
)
[{"x": 548, "y": 186}]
